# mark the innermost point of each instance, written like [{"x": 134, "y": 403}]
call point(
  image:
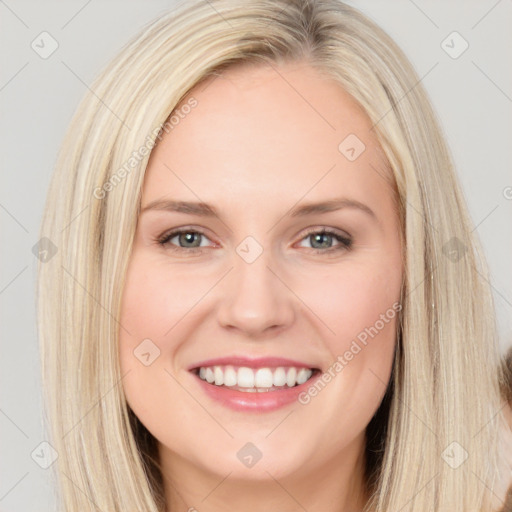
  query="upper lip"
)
[{"x": 259, "y": 362}]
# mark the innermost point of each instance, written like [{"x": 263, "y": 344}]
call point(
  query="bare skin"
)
[{"x": 258, "y": 144}]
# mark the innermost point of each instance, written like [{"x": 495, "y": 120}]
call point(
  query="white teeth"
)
[
  {"x": 303, "y": 375},
  {"x": 219, "y": 376},
  {"x": 254, "y": 380},
  {"x": 210, "y": 377},
  {"x": 263, "y": 378},
  {"x": 291, "y": 377},
  {"x": 229, "y": 376},
  {"x": 279, "y": 377},
  {"x": 245, "y": 377}
]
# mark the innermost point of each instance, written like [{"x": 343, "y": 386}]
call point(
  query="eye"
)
[
  {"x": 321, "y": 240},
  {"x": 187, "y": 239}
]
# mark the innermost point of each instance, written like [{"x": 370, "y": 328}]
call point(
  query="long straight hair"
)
[{"x": 443, "y": 399}]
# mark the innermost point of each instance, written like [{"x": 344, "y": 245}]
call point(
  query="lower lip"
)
[{"x": 255, "y": 401}]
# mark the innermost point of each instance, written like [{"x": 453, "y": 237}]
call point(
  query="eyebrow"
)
[{"x": 206, "y": 210}]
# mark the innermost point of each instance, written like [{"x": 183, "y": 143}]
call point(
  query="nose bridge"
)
[{"x": 254, "y": 298}]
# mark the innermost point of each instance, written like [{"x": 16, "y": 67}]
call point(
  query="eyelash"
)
[{"x": 345, "y": 241}]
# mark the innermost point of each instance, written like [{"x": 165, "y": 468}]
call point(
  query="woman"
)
[{"x": 251, "y": 370}]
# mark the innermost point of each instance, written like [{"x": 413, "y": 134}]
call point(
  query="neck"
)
[{"x": 335, "y": 485}]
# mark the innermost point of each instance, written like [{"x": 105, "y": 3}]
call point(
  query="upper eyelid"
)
[{"x": 186, "y": 229}]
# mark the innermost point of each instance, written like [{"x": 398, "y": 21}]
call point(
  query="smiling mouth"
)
[{"x": 252, "y": 380}]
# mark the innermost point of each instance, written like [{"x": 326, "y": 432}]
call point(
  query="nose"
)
[{"x": 255, "y": 299}]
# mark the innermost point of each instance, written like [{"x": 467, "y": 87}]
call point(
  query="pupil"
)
[
  {"x": 319, "y": 236},
  {"x": 188, "y": 237}
]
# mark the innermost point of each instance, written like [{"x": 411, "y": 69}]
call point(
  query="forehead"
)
[{"x": 273, "y": 132}]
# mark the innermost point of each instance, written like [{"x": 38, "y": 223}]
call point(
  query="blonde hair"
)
[{"x": 445, "y": 381}]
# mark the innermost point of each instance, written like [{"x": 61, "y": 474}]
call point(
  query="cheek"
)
[
  {"x": 361, "y": 308},
  {"x": 359, "y": 304},
  {"x": 357, "y": 300},
  {"x": 151, "y": 306},
  {"x": 143, "y": 321},
  {"x": 155, "y": 299},
  {"x": 158, "y": 301}
]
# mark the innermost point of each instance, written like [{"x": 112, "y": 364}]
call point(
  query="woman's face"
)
[{"x": 278, "y": 155}]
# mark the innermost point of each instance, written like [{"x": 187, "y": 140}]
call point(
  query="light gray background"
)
[{"x": 472, "y": 94}]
